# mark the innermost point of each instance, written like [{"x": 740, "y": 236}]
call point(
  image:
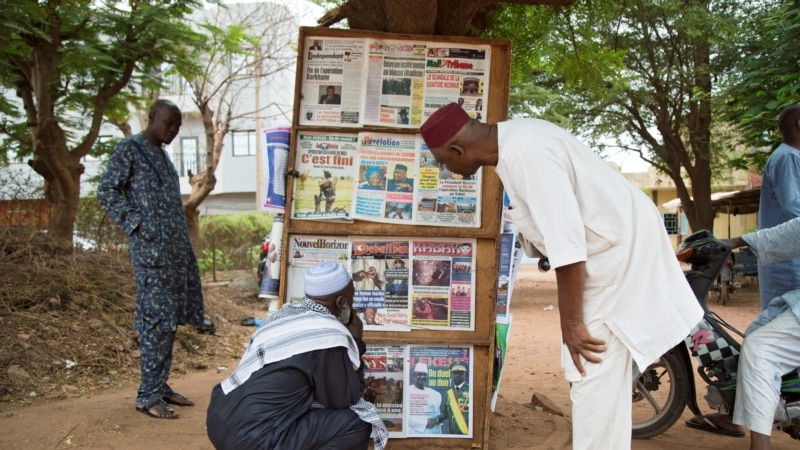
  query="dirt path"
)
[{"x": 108, "y": 420}]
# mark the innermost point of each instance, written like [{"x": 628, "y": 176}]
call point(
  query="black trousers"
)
[{"x": 328, "y": 429}]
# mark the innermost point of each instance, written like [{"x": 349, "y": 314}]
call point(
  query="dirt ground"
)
[{"x": 77, "y": 414}]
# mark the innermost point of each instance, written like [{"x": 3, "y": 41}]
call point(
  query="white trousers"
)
[
  {"x": 767, "y": 354},
  {"x": 601, "y": 401}
]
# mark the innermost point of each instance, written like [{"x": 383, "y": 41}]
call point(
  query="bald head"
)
[
  {"x": 163, "y": 105},
  {"x": 164, "y": 122},
  {"x": 789, "y": 124}
]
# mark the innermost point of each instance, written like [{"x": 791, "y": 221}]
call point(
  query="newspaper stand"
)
[{"x": 486, "y": 236}]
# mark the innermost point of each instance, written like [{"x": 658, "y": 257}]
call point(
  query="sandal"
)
[
  {"x": 177, "y": 399},
  {"x": 157, "y": 409},
  {"x": 706, "y": 423},
  {"x": 207, "y": 327}
]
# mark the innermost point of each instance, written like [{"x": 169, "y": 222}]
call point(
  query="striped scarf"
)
[{"x": 296, "y": 329}]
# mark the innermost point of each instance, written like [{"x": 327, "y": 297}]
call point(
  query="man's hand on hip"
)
[{"x": 581, "y": 343}]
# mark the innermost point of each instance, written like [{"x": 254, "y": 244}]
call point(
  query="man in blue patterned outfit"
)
[{"x": 140, "y": 193}]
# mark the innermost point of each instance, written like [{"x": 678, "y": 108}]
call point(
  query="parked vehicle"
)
[{"x": 666, "y": 387}]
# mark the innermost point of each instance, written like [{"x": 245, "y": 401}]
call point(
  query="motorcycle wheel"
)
[{"x": 659, "y": 396}]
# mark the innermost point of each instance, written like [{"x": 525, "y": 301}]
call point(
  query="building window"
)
[
  {"x": 671, "y": 223},
  {"x": 188, "y": 157},
  {"x": 243, "y": 143},
  {"x": 175, "y": 84}
]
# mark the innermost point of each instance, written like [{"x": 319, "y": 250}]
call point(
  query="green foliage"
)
[
  {"x": 73, "y": 65},
  {"x": 226, "y": 241},
  {"x": 234, "y": 240},
  {"x": 750, "y": 161},
  {"x": 243, "y": 46},
  {"x": 535, "y": 89},
  {"x": 213, "y": 260},
  {"x": 638, "y": 76},
  {"x": 606, "y": 69},
  {"x": 555, "y": 59},
  {"x": 767, "y": 75},
  {"x": 102, "y": 148},
  {"x": 88, "y": 52},
  {"x": 95, "y": 229}
]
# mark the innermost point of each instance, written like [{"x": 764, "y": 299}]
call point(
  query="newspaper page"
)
[
  {"x": 274, "y": 160},
  {"x": 395, "y": 83},
  {"x": 398, "y": 183},
  {"x": 457, "y": 73},
  {"x": 446, "y": 198},
  {"x": 384, "y": 369},
  {"x": 380, "y": 275},
  {"x": 326, "y": 167},
  {"x": 502, "y": 331},
  {"x": 509, "y": 261},
  {"x": 442, "y": 287},
  {"x": 407, "y": 80},
  {"x": 386, "y": 175},
  {"x": 505, "y": 266},
  {"x": 516, "y": 253},
  {"x": 333, "y": 81},
  {"x": 439, "y": 396},
  {"x": 305, "y": 251},
  {"x": 271, "y": 275}
]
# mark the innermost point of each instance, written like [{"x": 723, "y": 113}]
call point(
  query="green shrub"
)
[
  {"x": 235, "y": 239},
  {"x": 208, "y": 260},
  {"x": 227, "y": 242},
  {"x": 93, "y": 228}
]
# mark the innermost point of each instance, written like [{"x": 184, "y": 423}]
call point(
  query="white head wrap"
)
[{"x": 326, "y": 278}]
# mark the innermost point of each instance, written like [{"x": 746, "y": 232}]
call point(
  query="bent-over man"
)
[{"x": 621, "y": 292}]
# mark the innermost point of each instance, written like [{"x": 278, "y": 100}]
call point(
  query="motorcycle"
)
[{"x": 667, "y": 386}]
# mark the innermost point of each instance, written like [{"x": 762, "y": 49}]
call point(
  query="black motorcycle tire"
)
[{"x": 665, "y": 397}]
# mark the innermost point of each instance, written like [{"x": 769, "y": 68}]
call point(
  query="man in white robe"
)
[
  {"x": 621, "y": 292},
  {"x": 426, "y": 411}
]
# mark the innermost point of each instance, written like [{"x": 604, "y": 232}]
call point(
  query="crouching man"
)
[{"x": 300, "y": 381}]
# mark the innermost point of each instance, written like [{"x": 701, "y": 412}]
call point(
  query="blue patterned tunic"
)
[{"x": 140, "y": 187}]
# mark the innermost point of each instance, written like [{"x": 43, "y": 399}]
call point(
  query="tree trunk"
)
[
  {"x": 202, "y": 185},
  {"x": 436, "y": 17},
  {"x": 193, "y": 222},
  {"x": 205, "y": 181},
  {"x": 66, "y": 199},
  {"x": 62, "y": 174},
  {"x": 700, "y": 133},
  {"x": 700, "y": 216}
]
